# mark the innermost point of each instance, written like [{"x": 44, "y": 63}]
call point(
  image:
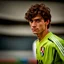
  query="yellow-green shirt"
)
[{"x": 50, "y": 50}]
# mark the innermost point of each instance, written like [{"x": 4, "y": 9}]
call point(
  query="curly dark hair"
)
[{"x": 38, "y": 9}]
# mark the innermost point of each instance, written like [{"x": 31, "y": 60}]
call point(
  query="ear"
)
[{"x": 47, "y": 22}]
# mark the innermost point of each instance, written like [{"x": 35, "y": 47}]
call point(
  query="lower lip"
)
[{"x": 33, "y": 30}]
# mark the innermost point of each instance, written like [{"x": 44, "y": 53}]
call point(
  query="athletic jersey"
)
[{"x": 50, "y": 50}]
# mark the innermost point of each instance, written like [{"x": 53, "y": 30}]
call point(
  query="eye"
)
[
  {"x": 38, "y": 20},
  {"x": 31, "y": 21}
]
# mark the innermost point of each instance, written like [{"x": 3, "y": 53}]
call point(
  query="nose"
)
[{"x": 33, "y": 24}]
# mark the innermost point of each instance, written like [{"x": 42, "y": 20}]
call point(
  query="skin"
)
[{"x": 39, "y": 26}]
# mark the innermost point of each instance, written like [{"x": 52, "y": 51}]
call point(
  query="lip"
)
[{"x": 33, "y": 29}]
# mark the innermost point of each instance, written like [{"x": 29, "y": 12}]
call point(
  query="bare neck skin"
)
[{"x": 42, "y": 35}]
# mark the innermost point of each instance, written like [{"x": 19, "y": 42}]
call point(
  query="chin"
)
[{"x": 35, "y": 33}]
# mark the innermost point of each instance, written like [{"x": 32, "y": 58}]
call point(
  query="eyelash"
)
[{"x": 38, "y": 20}]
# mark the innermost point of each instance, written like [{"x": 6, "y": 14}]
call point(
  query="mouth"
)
[{"x": 34, "y": 29}]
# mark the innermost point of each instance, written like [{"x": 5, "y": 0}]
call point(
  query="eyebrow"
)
[{"x": 37, "y": 19}]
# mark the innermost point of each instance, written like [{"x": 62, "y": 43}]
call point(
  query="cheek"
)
[{"x": 41, "y": 27}]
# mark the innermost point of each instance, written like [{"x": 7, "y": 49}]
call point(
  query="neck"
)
[{"x": 42, "y": 35}]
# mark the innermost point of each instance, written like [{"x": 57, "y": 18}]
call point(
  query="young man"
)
[{"x": 49, "y": 48}]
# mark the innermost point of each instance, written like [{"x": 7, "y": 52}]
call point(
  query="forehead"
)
[{"x": 37, "y": 17}]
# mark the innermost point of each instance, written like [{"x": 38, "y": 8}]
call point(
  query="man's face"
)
[{"x": 38, "y": 25}]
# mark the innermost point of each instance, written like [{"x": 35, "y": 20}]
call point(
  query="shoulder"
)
[
  {"x": 34, "y": 43},
  {"x": 56, "y": 40},
  {"x": 34, "y": 48},
  {"x": 59, "y": 43}
]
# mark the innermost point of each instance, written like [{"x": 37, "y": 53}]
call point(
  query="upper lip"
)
[{"x": 33, "y": 28}]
